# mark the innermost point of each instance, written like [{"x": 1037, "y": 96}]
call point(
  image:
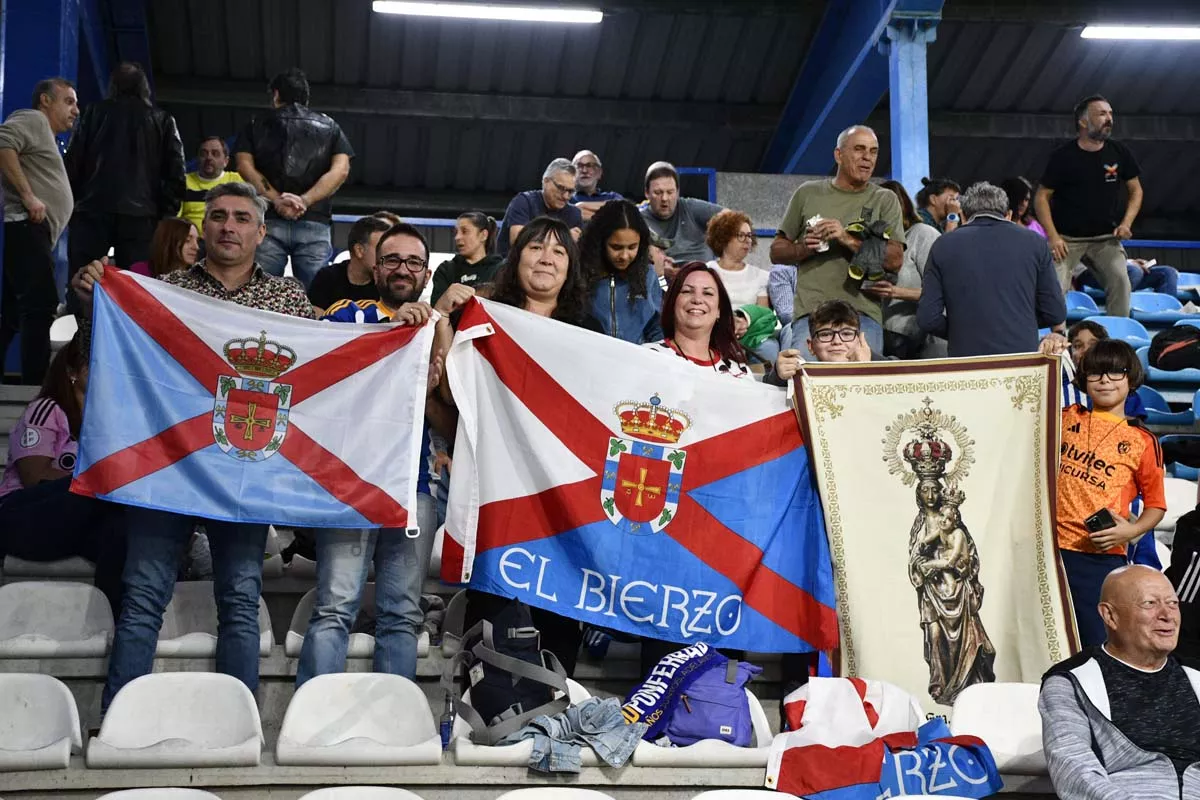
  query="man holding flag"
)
[
  {"x": 233, "y": 229},
  {"x": 401, "y": 556}
]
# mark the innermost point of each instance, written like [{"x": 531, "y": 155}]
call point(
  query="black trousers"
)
[
  {"x": 93, "y": 233},
  {"x": 30, "y": 298},
  {"x": 45, "y": 522}
]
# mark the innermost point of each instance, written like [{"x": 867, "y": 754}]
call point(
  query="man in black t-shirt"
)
[
  {"x": 1078, "y": 202},
  {"x": 354, "y": 278},
  {"x": 297, "y": 158}
]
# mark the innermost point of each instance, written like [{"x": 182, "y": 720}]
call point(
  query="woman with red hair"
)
[{"x": 697, "y": 322}]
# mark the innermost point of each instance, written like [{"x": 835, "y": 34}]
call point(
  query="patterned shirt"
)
[
  {"x": 719, "y": 365},
  {"x": 263, "y": 291},
  {"x": 1105, "y": 462}
]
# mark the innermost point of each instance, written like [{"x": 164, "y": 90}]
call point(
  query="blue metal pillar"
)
[
  {"x": 41, "y": 40},
  {"x": 843, "y": 77},
  {"x": 907, "y": 36}
]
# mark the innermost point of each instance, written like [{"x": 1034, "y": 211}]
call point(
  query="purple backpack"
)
[{"x": 714, "y": 706}]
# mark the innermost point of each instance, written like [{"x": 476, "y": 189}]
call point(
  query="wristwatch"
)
[{"x": 952, "y": 217}]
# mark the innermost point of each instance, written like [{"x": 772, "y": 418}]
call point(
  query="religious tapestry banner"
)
[{"x": 937, "y": 481}]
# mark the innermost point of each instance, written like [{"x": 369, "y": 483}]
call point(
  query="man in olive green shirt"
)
[{"x": 822, "y": 253}]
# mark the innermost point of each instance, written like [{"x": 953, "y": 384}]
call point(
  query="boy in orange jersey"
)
[{"x": 1105, "y": 461}]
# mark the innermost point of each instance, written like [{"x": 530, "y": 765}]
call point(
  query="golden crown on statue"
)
[
  {"x": 651, "y": 420},
  {"x": 259, "y": 358}
]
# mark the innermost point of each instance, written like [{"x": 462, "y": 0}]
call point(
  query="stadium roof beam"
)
[
  {"x": 404, "y": 103},
  {"x": 844, "y": 76},
  {"x": 991, "y": 125}
]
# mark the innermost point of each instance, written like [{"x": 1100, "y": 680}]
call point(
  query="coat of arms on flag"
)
[
  {"x": 250, "y": 412},
  {"x": 639, "y": 493},
  {"x": 212, "y": 409},
  {"x": 643, "y": 476}
]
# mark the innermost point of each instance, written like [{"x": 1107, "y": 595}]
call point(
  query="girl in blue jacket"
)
[{"x": 615, "y": 251}]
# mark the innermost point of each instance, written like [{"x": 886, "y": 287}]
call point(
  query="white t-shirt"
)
[
  {"x": 744, "y": 286},
  {"x": 721, "y": 366}
]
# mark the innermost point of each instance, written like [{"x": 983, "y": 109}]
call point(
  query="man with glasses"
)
[
  {"x": 588, "y": 197},
  {"x": 401, "y": 561},
  {"x": 552, "y": 200}
]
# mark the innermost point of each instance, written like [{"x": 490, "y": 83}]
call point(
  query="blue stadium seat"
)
[
  {"x": 1189, "y": 286},
  {"x": 1159, "y": 413},
  {"x": 1080, "y": 306},
  {"x": 1094, "y": 291},
  {"x": 1125, "y": 329},
  {"x": 1193, "y": 320},
  {"x": 1179, "y": 470},
  {"x": 1156, "y": 377},
  {"x": 1152, "y": 307}
]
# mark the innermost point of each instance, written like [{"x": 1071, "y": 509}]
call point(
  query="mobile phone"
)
[{"x": 1100, "y": 521}]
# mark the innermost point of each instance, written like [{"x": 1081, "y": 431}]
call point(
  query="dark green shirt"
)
[{"x": 457, "y": 270}]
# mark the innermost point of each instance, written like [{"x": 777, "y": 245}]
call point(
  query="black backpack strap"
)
[
  {"x": 452, "y": 624},
  {"x": 731, "y": 671},
  {"x": 551, "y": 674}
]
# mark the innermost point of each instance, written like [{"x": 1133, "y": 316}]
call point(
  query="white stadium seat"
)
[
  {"x": 713, "y": 753},
  {"x": 554, "y": 793},
  {"x": 160, "y": 794},
  {"x": 361, "y": 793},
  {"x": 179, "y": 720},
  {"x": 272, "y": 557},
  {"x": 468, "y": 753},
  {"x": 361, "y": 645},
  {"x": 63, "y": 569},
  {"x": 62, "y": 330},
  {"x": 358, "y": 719},
  {"x": 1005, "y": 715},
  {"x": 189, "y": 628},
  {"x": 39, "y": 723},
  {"x": 53, "y": 619}
]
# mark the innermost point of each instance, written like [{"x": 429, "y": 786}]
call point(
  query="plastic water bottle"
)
[{"x": 447, "y": 722}]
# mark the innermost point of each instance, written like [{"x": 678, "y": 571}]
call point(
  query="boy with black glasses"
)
[{"x": 1106, "y": 460}]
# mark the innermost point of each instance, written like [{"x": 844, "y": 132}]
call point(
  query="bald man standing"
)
[{"x": 1123, "y": 720}]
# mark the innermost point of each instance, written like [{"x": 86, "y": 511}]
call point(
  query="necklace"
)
[
  {"x": 712, "y": 356},
  {"x": 1091, "y": 451}
]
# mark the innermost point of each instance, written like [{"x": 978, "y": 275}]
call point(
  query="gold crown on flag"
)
[
  {"x": 259, "y": 358},
  {"x": 651, "y": 420}
]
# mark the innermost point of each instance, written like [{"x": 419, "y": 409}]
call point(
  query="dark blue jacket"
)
[
  {"x": 635, "y": 322},
  {"x": 988, "y": 287}
]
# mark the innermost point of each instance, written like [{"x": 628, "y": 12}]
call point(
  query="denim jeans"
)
[
  {"x": 799, "y": 336},
  {"x": 308, "y": 243},
  {"x": 156, "y": 543},
  {"x": 401, "y": 563},
  {"x": 1163, "y": 280}
]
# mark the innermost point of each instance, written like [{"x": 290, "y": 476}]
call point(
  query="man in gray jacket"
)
[
  {"x": 37, "y": 205},
  {"x": 1123, "y": 720}
]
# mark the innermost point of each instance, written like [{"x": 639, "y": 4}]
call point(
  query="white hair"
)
[
  {"x": 556, "y": 166},
  {"x": 583, "y": 153},
  {"x": 984, "y": 198},
  {"x": 853, "y": 129}
]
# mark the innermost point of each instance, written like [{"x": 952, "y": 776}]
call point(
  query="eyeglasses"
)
[
  {"x": 826, "y": 335},
  {"x": 562, "y": 189},
  {"x": 394, "y": 262},
  {"x": 587, "y": 165},
  {"x": 1112, "y": 376},
  {"x": 745, "y": 237}
]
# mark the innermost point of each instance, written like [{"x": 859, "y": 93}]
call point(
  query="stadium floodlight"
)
[
  {"x": 1154, "y": 33},
  {"x": 485, "y": 11}
]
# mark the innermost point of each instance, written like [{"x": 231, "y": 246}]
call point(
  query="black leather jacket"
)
[
  {"x": 126, "y": 158},
  {"x": 293, "y": 146}
]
